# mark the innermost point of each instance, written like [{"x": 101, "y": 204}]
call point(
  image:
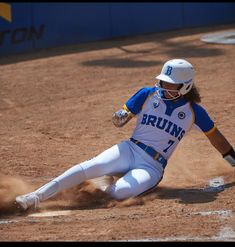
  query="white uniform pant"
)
[{"x": 141, "y": 172}]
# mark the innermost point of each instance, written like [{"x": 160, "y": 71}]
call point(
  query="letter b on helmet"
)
[{"x": 168, "y": 71}]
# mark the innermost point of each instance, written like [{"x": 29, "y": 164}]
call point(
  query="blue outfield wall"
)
[
  {"x": 207, "y": 14},
  {"x": 72, "y": 23},
  {"x": 132, "y": 19},
  {"x": 43, "y": 25}
]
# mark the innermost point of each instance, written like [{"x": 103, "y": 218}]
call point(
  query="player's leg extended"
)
[
  {"x": 113, "y": 160},
  {"x": 134, "y": 183}
]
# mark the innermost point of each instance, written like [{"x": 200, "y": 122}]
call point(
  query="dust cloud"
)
[
  {"x": 88, "y": 195},
  {"x": 10, "y": 187}
]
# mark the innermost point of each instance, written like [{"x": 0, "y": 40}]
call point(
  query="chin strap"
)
[{"x": 230, "y": 157}]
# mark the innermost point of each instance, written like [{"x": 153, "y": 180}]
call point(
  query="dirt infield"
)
[{"x": 55, "y": 111}]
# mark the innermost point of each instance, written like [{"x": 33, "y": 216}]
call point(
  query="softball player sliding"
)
[{"x": 164, "y": 114}]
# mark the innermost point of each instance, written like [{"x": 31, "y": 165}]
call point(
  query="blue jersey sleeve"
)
[
  {"x": 202, "y": 119},
  {"x": 135, "y": 103}
]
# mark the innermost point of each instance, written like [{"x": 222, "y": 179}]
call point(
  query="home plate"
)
[
  {"x": 215, "y": 185},
  {"x": 51, "y": 213}
]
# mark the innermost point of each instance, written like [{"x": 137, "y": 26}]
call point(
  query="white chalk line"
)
[
  {"x": 221, "y": 213},
  {"x": 52, "y": 213}
]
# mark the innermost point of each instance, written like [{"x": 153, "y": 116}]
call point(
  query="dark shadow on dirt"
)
[
  {"x": 181, "y": 50},
  {"x": 121, "y": 42},
  {"x": 121, "y": 63},
  {"x": 189, "y": 196}
]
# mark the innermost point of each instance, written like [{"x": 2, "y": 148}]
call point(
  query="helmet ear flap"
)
[
  {"x": 180, "y": 89},
  {"x": 186, "y": 88}
]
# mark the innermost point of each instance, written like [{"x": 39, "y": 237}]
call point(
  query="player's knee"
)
[
  {"x": 125, "y": 192},
  {"x": 119, "y": 193}
]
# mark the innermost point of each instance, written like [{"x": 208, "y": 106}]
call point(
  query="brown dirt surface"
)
[{"x": 56, "y": 107}]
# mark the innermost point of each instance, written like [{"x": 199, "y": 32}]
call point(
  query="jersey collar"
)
[{"x": 172, "y": 105}]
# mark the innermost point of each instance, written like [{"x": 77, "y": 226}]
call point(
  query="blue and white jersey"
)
[{"x": 163, "y": 123}]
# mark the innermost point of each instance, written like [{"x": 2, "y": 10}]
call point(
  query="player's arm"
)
[
  {"x": 218, "y": 140},
  {"x": 122, "y": 116}
]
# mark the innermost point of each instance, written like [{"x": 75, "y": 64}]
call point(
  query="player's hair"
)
[{"x": 193, "y": 95}]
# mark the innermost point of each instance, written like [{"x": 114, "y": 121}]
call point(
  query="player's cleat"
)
[{"x": 28, "y": 200}]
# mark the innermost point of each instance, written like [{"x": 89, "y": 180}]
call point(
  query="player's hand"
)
[
  {"x": 121, "y": 114},
  {"x": 120, "y": 117}
]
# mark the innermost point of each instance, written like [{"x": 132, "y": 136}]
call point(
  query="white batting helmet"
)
[{"x": 178, "y": 71}]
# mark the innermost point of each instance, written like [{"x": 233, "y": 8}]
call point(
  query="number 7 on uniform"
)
[{"x": 170, "y": 144}]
